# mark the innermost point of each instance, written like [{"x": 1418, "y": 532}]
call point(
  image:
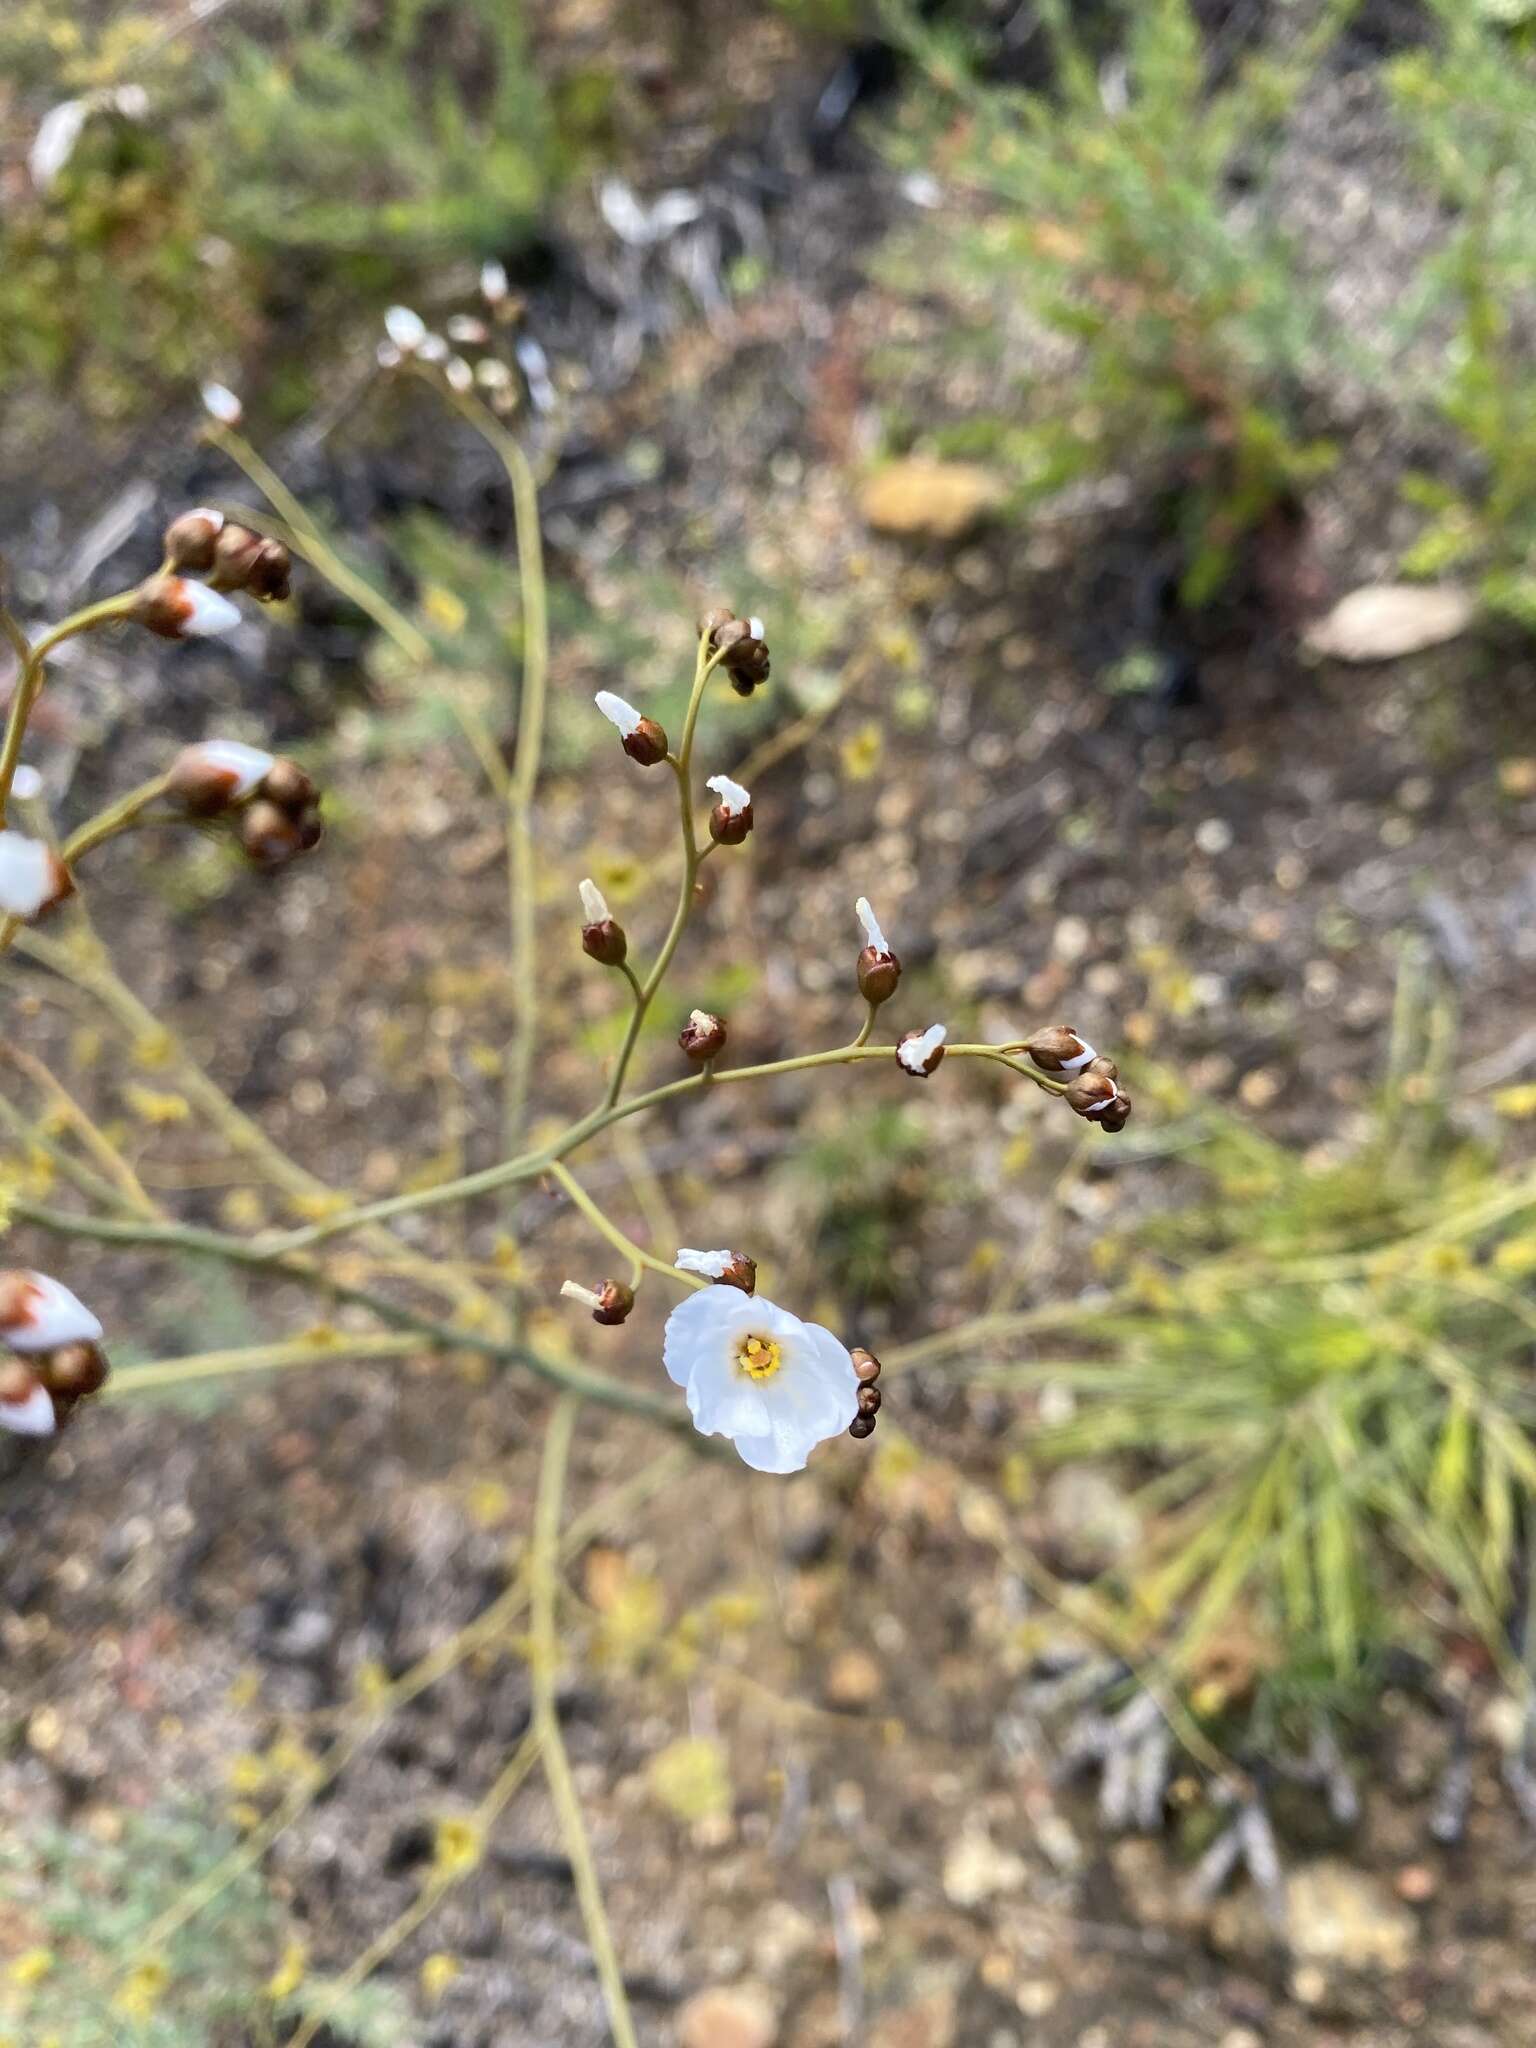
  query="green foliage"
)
[
  {"x": 1470, "y": 104},
  {"x": 1190, "y": 332},
  {"x": 77, "y": 1908},
  {"x": 1317, "y": 1380},
  {"x": 384, "y": 132}
]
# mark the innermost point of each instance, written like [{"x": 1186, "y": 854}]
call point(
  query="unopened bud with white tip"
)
[
  {"x": 731, "y": 819},
  {"x": 214, "y": 775},
  {"x": 602, "y": 936},
  {"x": 26, "y": 1406},
  {"x": 493, "y": 283},
  {"x": 177, "y": 608},
  {"x": 221, "y": 405},
  {"x": 610, "y": 1303},
  {"x": 703, "y": 1036},
  {"x": 919, "y": 1052},
  {"x": 32, "y": 877},
  {"x": 725, "y": 1268},
  {"x": 1058, "y": 1050},
  {"x": 877, "y": 967},
  {"x": 643, "y": 739},
  {"x": 39, "y": 1314},
  {"x": 405, "y": 328}
]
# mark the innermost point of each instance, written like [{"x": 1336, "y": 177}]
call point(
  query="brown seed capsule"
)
[
  {"x": 17, "y": 1380},
  {"x": 206, "y": 780},
  {"x": 878, "y": 975},
  {"x": 703, "y": 1036},
  {"x": 713, "y": 620},
  {"x": 614, "y": 1302},
  {"x": 271, "y": 574},
  {"x": 73, "y": 1370},
  {"x": 730, "y": 633},
  {"x": 288, "y": 786},
  {"x": 862, "y": 1425},
  {"x": 869, "y": 1400},
  {"x": 729, "y": 828},
  {"x": 190, "y": 538},
  {"x": 866, "y": 1367},
  {"x": 235, "y": 555},
  {"x": 605, "y": 942},
  {"x": 311, "y": 828},
  {"x": 1090, "y": 1094},
  {"x": 1056, "y": 1048},
  {"x": 1117, "y": 1115},
  {"x": 647, "y": 744},
  {"x": 268, "y": 835}
]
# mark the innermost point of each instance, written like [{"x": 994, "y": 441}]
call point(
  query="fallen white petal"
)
[
  {"x": 1383, "y": 621},
  {"x": 623, "y": 715},
  {"x": 871, "y": 925},
  {"x": 733, "y": 798}
]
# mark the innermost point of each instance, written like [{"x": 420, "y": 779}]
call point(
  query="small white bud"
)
[
  {"x": 32, "y": 877},
  {"x": 917, "y": 1053},
  {"x": 406, "y": 329},
  {"x": 26, "y": 784},
  {"x": 613, "y": 708},
  {"x": 33, "y": 1415},
  {"x": 493, "y": 374},
  {"x": 432, "y": 348},
  {"x": 221, "y": 404},
  {"x": 460, "y": 376},
  {"x": 593, "y": 909},
  {"x": 733, "y": 798},
  {"x": 871, "y": 924},
  {"x": 387, "y": 355},
  {"x": 469, "y": 332},
  {"x": 493, "y": 283},
  {"x": 39, "y": 1314}
]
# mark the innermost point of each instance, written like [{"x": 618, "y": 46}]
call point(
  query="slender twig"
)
[
  {"x": 29, "y": 683},
  {"x": 544, "y": 1654},
  {"x": 640, "y": 1260},
  {"x": 335, "y": 1348}
]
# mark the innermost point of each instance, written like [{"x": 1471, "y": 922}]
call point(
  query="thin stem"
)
[
  {"x": 29, "y": 683},
  {"x": 544, "y": 1653},
  {"x": 119, "y": 817},
  {"x": 340, "y": 1349},
  {"x": 640, "y": 1259}
]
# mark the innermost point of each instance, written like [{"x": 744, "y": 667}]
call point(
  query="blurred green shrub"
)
[
  {"x": 1106, "y": 214},
  {"x": 78, "y": 1905},
  {"x": 1469, "y": 100},
  {"x": 1317, "y": 1383}
]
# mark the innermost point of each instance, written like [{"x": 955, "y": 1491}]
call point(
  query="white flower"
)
[
  {"x": 240, "y": 767},
  {"x": 221, "y": 404},
  {"x": 203, "y": 613},
  {"x": 916, "y": 1051},
  {"x": 623, "y": 715},
  {"x": 871, "y": 925},
  {"x": 32, "y": 877},
  {"x": 493, "y": 283},
  {"x": 407, "y": 330},
  {"x": 733, "y": 798},
  {"x": 32, "y": 1415},
  {"x": 713, "y": 1265},
  {"x": 593, "y": 907},
  {"x": 775, "y": 1386},
  {"x": 26, "y": 783},
  {"x": 39, "y": 1314}
]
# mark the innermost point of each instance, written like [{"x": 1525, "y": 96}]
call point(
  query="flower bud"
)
[
  {"x": 877, "y": 967},
  {"x": 405, "y": 328},
  {"x": 643, "y": 739},
  {"x": 919, "y": 1052},
  {"x": 713, "y": 620},
  {"x": 26, "y": 1407},
  {"x": 221, "y": 404},
  {"x": 213, "y": 776},
  {"x": 269, "y": 836},
  {"x": 39, "y": 1314},
  {"x": 33, "y": 879},
  {"x": 869, "y": 1400},
  {"x": 493, "y": 283},
  {"x": 288, "y": 786},
  {"x": 1058, "y": 1050},
  {"x": 602, "y": 937},
  {"x": 725, "y": 1268},
  {"x": 73, "y": 1371},
  {"x": 270, "y": 580},
  {"x": 866, "y": 1367},
  {"x": 731, "y": 819},
  {"x": 741, "y": 644},
  {"x": 1117, "y": 1114},
  {"x": 1090, "y": 1094},
  {"x": 189, "y": 540},
  {"x": 610, "y": 1303},
  {"x": 862, "y": 1425},
  {"x": 702, "y": 1036},
  {"x": 178, "y": 609}
]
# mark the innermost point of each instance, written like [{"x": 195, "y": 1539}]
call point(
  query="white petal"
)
[
  {"x": 733, "y": 798},
  {"x": 871, "y": 924},
  {"x": 26, "y": 783},
  {"x": 469, "y": 332},
  {"x": 573, "y": 1291},
  {"x": 710, "y": 1264},
  {"x": 220, "y": 403},
  {"x": 407, "y": 330},
  {"x": 493, "y": 373},
  {"x": 1078, "y": 1060},
  {"x": 32, "y": 1417},
  {"x": 54, "y": 143},
  {"x": 460, "y": 376},
  {"x": 387, "y": 356},
  {"x": 623, "y": 715},
  {"x": 50, "y": 1315},
  {"x": 755, "y": 628},
  {"x": 209, "y": 612},
  {"x": 30, "y": 875},
  {"x": 493, "y": 283},
  {"x": 915, "y": 1053},
  {"x": 248, "y": 765},
  {"x": 706, "y": 1328},
  {"x": 593, "y": 908},
  {"x": 432, "y": 348}
]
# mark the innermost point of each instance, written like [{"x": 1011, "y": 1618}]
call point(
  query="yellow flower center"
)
[{"x": 758, "y": 1358}]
